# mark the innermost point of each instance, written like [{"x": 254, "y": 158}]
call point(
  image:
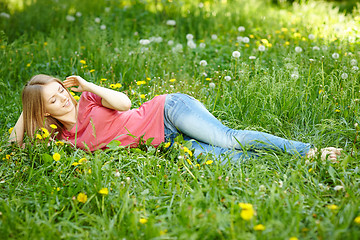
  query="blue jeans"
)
[{"x": 185, "y": 115}]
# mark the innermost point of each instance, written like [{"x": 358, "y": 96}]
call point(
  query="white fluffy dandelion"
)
[
  {"x": 170, "y": 42},
  {"x": 103, "y": 27},
  {"x": 203, "y": 63},
  {"x": 107, "y": 9},
  {"x": 227, "y": 78},
  {"x": 295, "y": 75},
  {"x": 4, "y": 15},
  {"x": 97, "y": 20},
  {"x": 355, "y": 68},
  {"x": 311, "y": 36},
  {"x": 214, "y": 37},
  {"x": 78, "y": 14},
  {"x": 189, "y": 36},
  {"x": 144, "y": 41},
  {"x": 177, "y": 48},
  {"x": 261, "y": 48},
  {"x": 191, "y": 44},
  {"x": 252, "y": 57},
  {"x": 338, "y": 188},
  {"x": 202, "y": 45},
  {"x": 316, "y": 48},
  {"x": 241, "y": 29},
  {"x": 298, "y": 49},
  {"x": 246, "y": 40},
  {"x": 353, "y": 62},
  {"x": 335, "y": 55},
  {"x": 70, "y": 18},
  {"x": 344, "y": 76},
  {"x": 171, "y": 22},
  {"x": 239, "y": 39},
  {"x": 236, "y": 54},
  {"x": 212, "y": 85}
]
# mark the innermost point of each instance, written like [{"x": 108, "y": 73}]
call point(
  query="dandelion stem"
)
[{"x": 307, "y": 84}]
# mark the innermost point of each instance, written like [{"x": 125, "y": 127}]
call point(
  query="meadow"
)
[{"x": 288, "y": 70}]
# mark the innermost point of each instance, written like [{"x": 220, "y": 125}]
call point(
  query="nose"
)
[{"x": 63, "y": 98}]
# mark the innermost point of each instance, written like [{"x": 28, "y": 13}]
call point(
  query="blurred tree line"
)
[{"x": 343, "y": 5}]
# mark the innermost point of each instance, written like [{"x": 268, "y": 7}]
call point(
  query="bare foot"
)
[{"x": 330, "y": 153}]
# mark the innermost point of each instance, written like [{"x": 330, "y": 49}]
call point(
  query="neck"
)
[{"x": 69, "y": 120}]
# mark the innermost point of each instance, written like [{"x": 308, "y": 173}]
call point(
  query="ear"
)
[{"x": 47, "y": 114}]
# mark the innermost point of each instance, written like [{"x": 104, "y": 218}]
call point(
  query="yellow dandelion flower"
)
[
  {"x": 332, "y": 207},
  {"x": 188, "y": 151},
  {"x": 264, "y": 41},
  {"x": 293, "y": 238},
  {"x": 53, "y": 126},
  {"x": 2, "y": 46},
  {"x": 148, "y": 78},
  {"x": 10, "y": 130},
  {"x": 45, "y": 132},
  {"x": 310, "y": 170},
  {"x": 82, "y": 160},
  {"x": 297, "y": 35},
  {"x": 82, "y": 47},
  {"x": 251, "y": 36},
  {"x": 236, "y": 44},
  {"x": 287, "y": 43},
  {"x": 284, "y": 29},
  {"x": 38, "y": 136},
  {"x": 357, "y": 220},
  {"x": 172, "y": 80},
  {"x": 103, "y": 79},
  {"x": 75, "y": 164},
  {"x": 143, "y": 220},
  {"x": 56, "y": 156},
  {"x": 89, "y": 171},
  {"x": 247, "y": 214},
  {"x": 7, "y": 156},
  {"x": 167, "y": 144},
  {"x": 208, "y": 79},
  {"x": 320, "y": 91},
  {"x": 72, "y": 93},
  {"x": 259, "y": 227},
  {"x": 92, "y": 70},
  {"x": 112, "y": 86},
  {"x": 59, "y": 143},
  {"x": 85, "y": 66},
  {"x": 104, "y": 191},
  {"x": 140, "y": 83},
  {"x": 198, "y": 165},
  {"x": 76, "y": 98},
  {"x": 189, "y": 162},
  {"x": 208, "y": 162},
  {"x": 82, "y": 61},
  {"x": 163, "y": 232},
  {"x": 28, "y": 65},
  {"x": 82, "y": 197},
  {"x": 247, "y": 45},
  {"x": 45, "y": 43},
  {"x": 118, "y": 85},
  {"x": 142, "y": 96},
  {"x": 277, "y": 31}
]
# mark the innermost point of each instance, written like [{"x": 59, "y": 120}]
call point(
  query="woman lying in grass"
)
[{"x": 103, "y": 115}]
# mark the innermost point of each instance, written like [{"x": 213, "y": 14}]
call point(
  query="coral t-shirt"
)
[{"x": 97, "y": 125}]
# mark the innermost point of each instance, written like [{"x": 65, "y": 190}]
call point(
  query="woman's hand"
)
[
  {"x": 329, "y": 153},
  {"x": 82, "y": 84}
]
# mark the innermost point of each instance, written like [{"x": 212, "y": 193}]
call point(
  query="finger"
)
[{"x": 75, "y": 89}]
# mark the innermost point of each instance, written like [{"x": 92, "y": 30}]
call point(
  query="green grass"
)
[{"x": 281, "y": 92}]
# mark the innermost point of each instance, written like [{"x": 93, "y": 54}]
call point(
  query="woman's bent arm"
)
[
  {"x": 110, "y": 98},
  {"x": 17, "y": 133}
]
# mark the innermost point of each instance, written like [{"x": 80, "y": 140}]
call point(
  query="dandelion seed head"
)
[
  {"x": 202, "y": 45},
  {"x": 214, "y": 37},
  {"x": 316, "y": 48},
  {"x": 170, "y": 42},
  {"x": 78, "y": 14},
  {"x": 191, "y": 44},
  {"x": 261, "y": 48},
  {"x": 236, "y": 54},
  {"x": 353, "y": 62},
  {"x": 311, "y": 36},
  {"x": 171, "y": 22},
  {"x": 212, "y": 85},
  {"x": 4, "y": 15},
  {"x": 227, "y": 78},
  {"x": 70, "y": 18},
  {"x": 241, "y": 29},
  {"x": 335, "y": 55},
  {"x": 97, "y": 20},
  {"x": 338, "y": 188},
  {"x": 355, "y": 68},
  {"x": 103, "y": 27},
  {"x": 246, "y": 40},
  {"x": 144, "y": 41},
  {"x": 189, "y": 36},
  {"x": 344, "y": 76},
  {"x": 107, "y": 9},
  {"x": 298, "y": 49},
  {"x": 294, "y": 76},
  {"x": 203, "y": 63}
]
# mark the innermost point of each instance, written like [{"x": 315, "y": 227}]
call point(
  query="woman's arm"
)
[
  {"x": 110, "y": 98},
  {"x": 17, "y": 133}
]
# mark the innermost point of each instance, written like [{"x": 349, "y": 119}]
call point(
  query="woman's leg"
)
[{"x": 189, "y": 117}]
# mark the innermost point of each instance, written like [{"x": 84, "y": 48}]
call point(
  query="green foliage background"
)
[{"x": 308, "y": 96}]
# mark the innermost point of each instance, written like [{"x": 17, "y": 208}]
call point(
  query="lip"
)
[{"x": 67, "y": 103}]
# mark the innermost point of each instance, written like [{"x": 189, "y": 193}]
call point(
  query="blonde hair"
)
[{"x": 34, "y": 107}]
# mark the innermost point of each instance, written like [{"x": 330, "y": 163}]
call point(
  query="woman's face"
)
[{"x": 57, "y": 100}]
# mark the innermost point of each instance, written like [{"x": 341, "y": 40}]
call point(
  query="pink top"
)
[{"x": 97, "y": 125}]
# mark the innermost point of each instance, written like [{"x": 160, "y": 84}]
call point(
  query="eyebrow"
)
[{"x": 54, "y": 94}]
